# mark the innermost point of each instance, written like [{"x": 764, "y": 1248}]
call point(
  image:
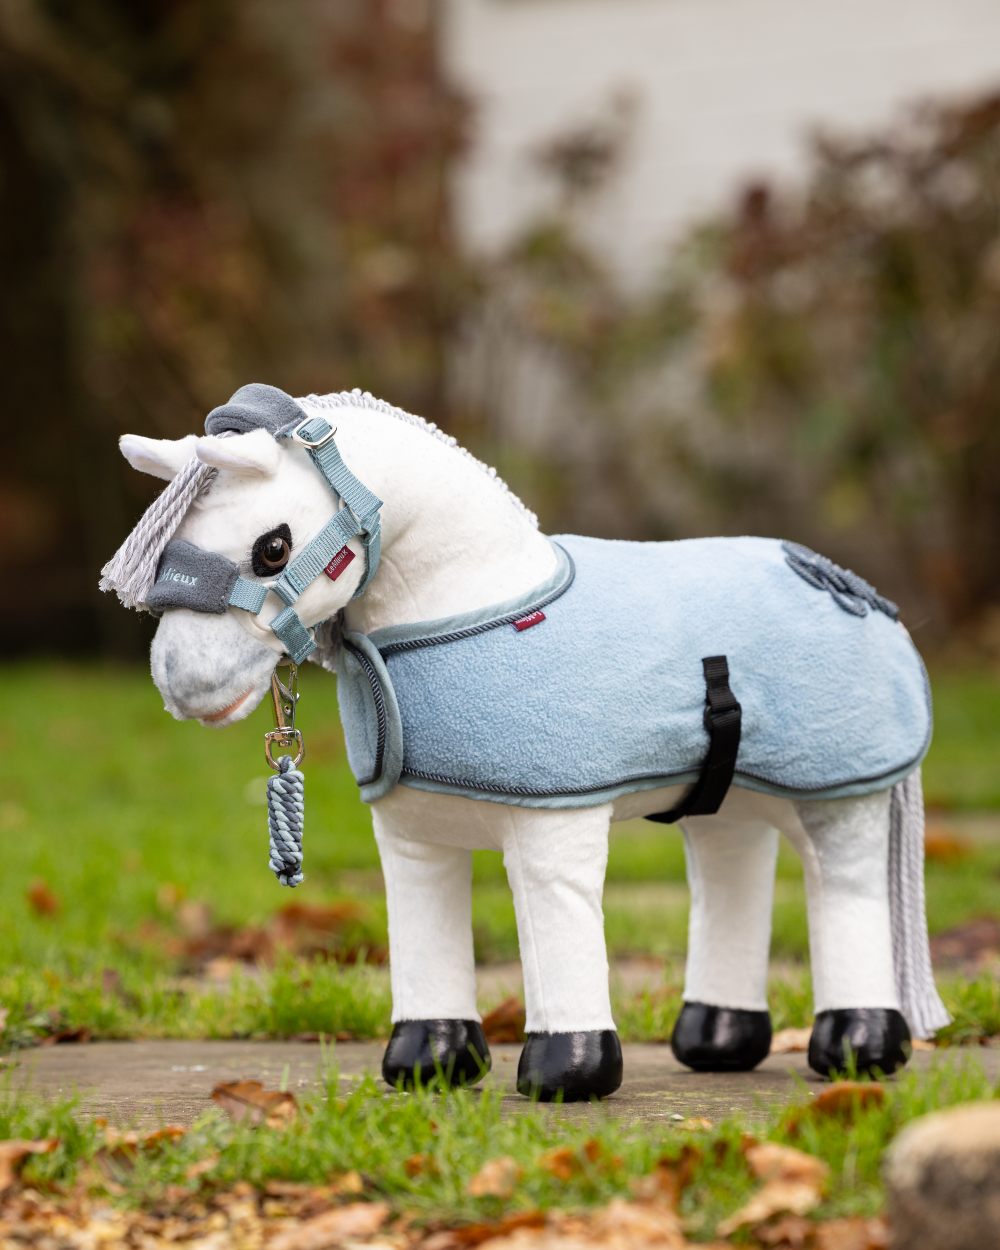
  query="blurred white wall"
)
[{"x": 725, "y": 91}]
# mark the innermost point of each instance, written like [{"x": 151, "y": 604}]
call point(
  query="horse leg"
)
[
  {"x": 724, "y": 1024},
  {"x": 436, "y": 1030},
  {"x": 844, "y": 846},
  {"x": 555, "y": 863}
]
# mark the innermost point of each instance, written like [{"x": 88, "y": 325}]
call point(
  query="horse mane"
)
[
  {"x": 131, "y": 571},
  {"x": 364, "y": 399}
]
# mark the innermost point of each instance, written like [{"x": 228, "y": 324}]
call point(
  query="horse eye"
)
[{"x": 271, "y": 552}]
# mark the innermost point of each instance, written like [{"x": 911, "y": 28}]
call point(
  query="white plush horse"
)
[{"x": 456, "y": 545}]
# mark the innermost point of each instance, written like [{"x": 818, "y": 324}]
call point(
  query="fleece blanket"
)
[{"x": 592, "y": 685}]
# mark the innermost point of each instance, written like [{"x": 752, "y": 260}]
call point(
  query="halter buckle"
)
[{"x": 312, "y": 443}]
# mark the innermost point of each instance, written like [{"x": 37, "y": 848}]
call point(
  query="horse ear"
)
[
  {"x": 161, "y": 457},
  {"x": 253, "y": 455}
]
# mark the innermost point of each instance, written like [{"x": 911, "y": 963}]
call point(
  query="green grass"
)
[
  {"x": 337, "y": 1132},
  {"x": 121, "y": 811}
]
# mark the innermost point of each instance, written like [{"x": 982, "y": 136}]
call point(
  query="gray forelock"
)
[{"x": 255, "y": 406}]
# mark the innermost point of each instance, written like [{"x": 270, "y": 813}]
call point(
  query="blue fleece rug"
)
[{"x": 592, "y": 686}]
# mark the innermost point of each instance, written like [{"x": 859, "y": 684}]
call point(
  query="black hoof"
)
[
  {"x": 449, "y": 1052},
  {"x": 868, "y": 1039},
  {"x": 720, "y": 1039},
  {"x": 577, "y": 1066}
]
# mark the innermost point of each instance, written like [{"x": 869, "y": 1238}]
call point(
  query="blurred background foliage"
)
[
  {"x": 197, "y": 193},
  {"x": 821, "y": 362}
]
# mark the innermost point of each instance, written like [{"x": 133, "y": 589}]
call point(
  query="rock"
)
[{"x": 943, "y": 1179}]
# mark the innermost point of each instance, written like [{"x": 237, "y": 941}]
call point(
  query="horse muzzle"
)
[{"x": 208, "y": 667}]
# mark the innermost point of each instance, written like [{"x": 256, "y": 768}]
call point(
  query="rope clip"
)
[{"x": 285, "y": 695}]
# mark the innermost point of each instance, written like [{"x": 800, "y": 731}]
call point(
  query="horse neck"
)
[{"x": 453, "y": 539}]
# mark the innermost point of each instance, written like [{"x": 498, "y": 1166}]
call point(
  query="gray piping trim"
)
[{"x": 395, "y": 638}]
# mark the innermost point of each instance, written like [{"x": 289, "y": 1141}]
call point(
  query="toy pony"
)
[{"x": 502, "y": 689}]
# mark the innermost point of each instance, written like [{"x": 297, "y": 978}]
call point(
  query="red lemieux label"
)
[
  {"x": 339, "y": 562},
  {"x": 526, "y": 622}
]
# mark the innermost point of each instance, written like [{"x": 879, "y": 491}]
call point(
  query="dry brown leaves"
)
[
  {"x": 333, "y": 931},
  {"x": 790, "y": 1041},
  {"x": 842, "y": 1100},
  {"x": 943, "y": 846},
  {"x": 793, "y": 1182},
  {"x": 669, "y": 1177},
  {"x": 353, "y": 1222},
  {"x": 14, "y": 1153},
  {"x": 250, "y": 1102},
  {"x": 497, "y": 1178},
  {"x": 42, "y": 900},
  {"x": 794, "y": 1232},
  {"x": 290, "y": 1215},
  {"x": 621, "y": 1225},
  {"x": 564, "y": 1162},
  {"x": 505, "y": 1023}
]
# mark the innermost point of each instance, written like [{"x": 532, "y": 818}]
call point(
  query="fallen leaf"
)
[
  {"x": 420, "y": 1165},
  {"x": 942, "y": 846},
  {"x": 125, "y": 1144},
  {"x": 844, "y": 1098},
  {"x": 357, "y": 1219},
  {"x": 15, "y": 1152},
  {"x": 348, "y": 1183},
  {"x": 505, "y": 1023},
  {"x": 627, "y": 1223},
  {"x": 793, "y": 1183},
  {"x": 65, "y": 1037},
  {"x": 476, "y": 1234},
  {"x": 497, "y": 1178},
  {"x": 854, "y": 1233},
  {"x": 791, "y": 1232},
  {"x": 790, "y": 1041},
  {"x": 922, "y": 1043},
  {"x": 201, "y": 1167},
  {"x": 250, "y": 1101},
  {"x": 769, "y": 1161},
  {"x": 42, "y": 900},
  {"x": 670, "y": 1177},
  {"x": 562, "y": 1163}
]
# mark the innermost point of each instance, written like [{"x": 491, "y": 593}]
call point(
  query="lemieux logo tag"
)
[
  {"x": 174, "y": 575},
  {"x": 339, "y": 562},
  {"x": 526, "y": 622}
]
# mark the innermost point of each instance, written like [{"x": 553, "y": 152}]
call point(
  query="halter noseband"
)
[{"x": 207, "y": 581}]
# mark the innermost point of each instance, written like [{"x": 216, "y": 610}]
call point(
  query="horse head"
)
[{"x": 241, "y": 581}]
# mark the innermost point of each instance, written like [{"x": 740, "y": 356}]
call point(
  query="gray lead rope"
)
[
  {"x": 286, "y": 790},
  {"x": 285, "y": 812}
]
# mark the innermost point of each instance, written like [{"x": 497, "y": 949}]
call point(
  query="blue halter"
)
[{"x": 209, "y": 582}]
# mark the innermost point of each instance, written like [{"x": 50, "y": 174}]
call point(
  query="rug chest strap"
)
[{"x": 723, "y": 717}]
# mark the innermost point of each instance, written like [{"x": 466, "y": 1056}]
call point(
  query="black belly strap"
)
[{"x": 723, "y": 720}]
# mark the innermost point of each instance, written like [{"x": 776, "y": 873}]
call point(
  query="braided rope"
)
[
  {"x": 285, "y": 815},
  {"x": 924, "y": 1011},
  {"x": 131, "y": 571}
]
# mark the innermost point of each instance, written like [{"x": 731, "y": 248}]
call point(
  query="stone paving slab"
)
[{"x": 153, "y": 1083}]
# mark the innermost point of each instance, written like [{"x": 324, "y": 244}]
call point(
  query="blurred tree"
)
[
  {"x": 821, "y": 364},
  {"x": 195, "y": 194}
]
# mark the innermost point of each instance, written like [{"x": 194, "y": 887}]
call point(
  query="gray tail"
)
[{"x": 924, "y": 1011}]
